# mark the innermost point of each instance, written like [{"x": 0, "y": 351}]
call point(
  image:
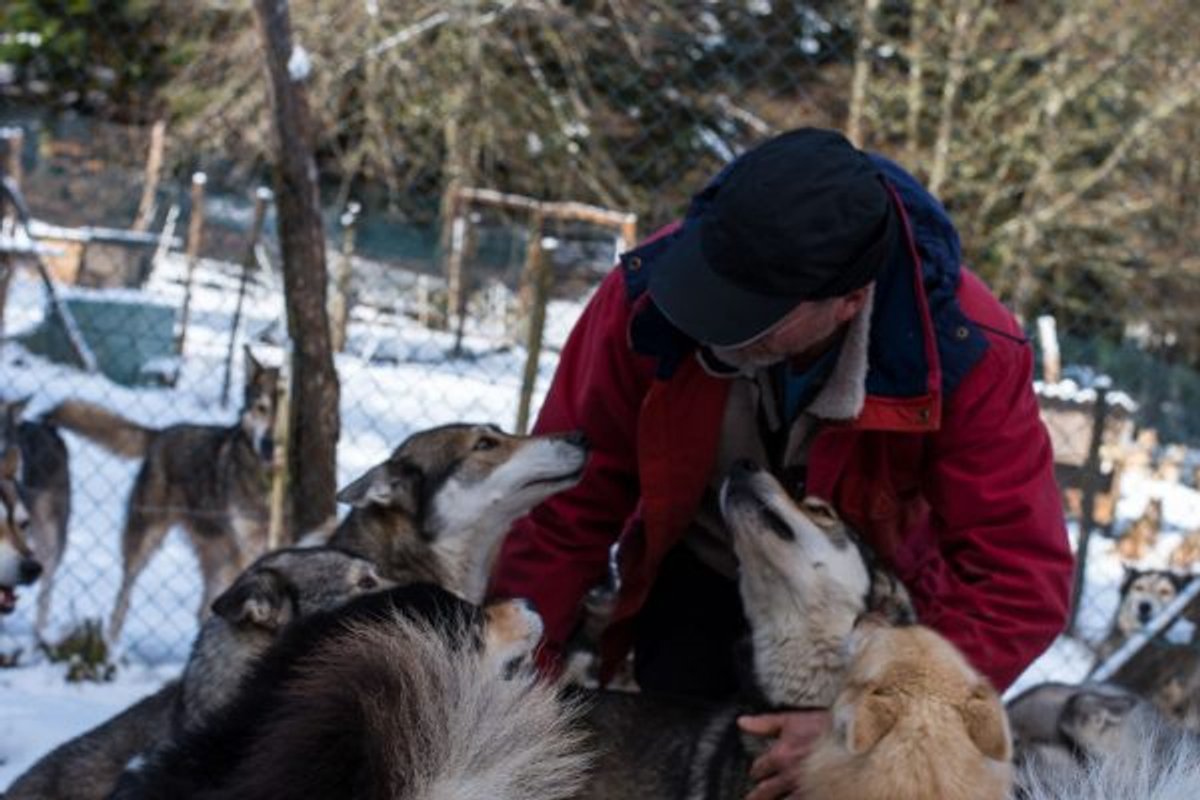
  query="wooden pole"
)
[
  {"x": 314, "y": 423},
  {"x": 1091, "y": 485},
  {"x": 261, "y": 198},
  {"x": 277, "y": 526},
  {"x": 195, "y": 235},
  {"x": 12, "y": 142},
  {"x": 538, "y": 268},
  {"x": 154, "y": 160},
  {"x": 339, "y": 311}
]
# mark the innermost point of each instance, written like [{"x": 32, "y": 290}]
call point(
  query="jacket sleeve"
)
[
  {"x": 992, "y": 570},
  {"x": 560, "y": 550}
]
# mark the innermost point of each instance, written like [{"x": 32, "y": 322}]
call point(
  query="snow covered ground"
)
[{"x": 395, "y": 379}]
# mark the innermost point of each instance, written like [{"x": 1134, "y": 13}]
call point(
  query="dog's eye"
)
[
  {"x": 367, "y": 582},
  {"x": 487, "y": 443}
]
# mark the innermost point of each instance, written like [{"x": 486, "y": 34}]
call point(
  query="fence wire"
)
[{"x": 139, "y": 134}]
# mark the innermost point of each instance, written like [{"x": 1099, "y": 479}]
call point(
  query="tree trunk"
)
[
  {"x": 313, "y": 422},
  {"x": 862, "y": 71}
]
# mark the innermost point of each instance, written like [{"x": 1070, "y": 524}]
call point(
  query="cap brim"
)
[{"x": 705, "y": 305}]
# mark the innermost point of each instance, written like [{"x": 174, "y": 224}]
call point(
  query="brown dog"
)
[
  {"x": 913, "y": 721},
  {"x": 1142, "y": 535}
]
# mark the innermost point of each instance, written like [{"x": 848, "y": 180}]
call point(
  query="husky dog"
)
[
  {"x": 1111, "y": 745},
  {"x": 1186, "y": 554},
  {"x": 1144, "y": 593},
  {"x": 804, "y": 581},
  {"x": 437, "y": 510},
  {"x": 45, "y": 485},
  {"x": 213, "y": 481},
  {"x": 410, "y": 694},
  {"x": 1142, "y": 535},
  {"x": 913, "y": 721},
  {"x": 279, "y": 588},
  {"x": 18, "y": 567}
]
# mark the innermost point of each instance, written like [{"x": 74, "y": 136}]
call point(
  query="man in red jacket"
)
[{"x": 810, "y": 313}]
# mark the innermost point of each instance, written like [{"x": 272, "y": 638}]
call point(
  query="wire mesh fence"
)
[{"x": 482, "y": 164}]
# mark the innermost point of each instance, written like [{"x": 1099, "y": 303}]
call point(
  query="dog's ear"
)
[
  {"x": 987, "y": 724},
  {"x": 1131, "y": 574},
  {"x": 261, "y": 597},
  {"x": 10, "y": 464},
  {"x": 820, "y": 512},
  {"x": 869, "y": 720},
  {"x": 15, "y": 410},
  {"x": 390, "y": 485},
  {"x": 1180, "y": 580},
  {"x": 253, "y": 367}
]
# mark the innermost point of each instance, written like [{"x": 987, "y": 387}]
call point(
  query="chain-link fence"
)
[{"x": 481, "y": 163}]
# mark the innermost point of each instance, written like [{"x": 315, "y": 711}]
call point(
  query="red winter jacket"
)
[{"x": 947, "y": 473}]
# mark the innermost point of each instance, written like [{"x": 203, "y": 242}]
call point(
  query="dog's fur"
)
[
  {"x": 1186, "y": 554},
  {"x": 213, "y": 481},
  {"x": 803, "y": 582},
  {"x": 280, "y": 587},
  {"x": 1106, "y": 743},
  {"x": 1144, "y": 593},
  {"x": 18, "y": 567},
  {"x": 913, "y": 721},
  {"x": 1142, "y": 535},
  {"x": 44, "y": 482},
  {"x": 1035, "y": 714},
  {"x": 406, "y": 694},
  {"x": 439, "y": 507}
]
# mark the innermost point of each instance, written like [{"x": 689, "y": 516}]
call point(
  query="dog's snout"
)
[
  {"x": 577, "y": 438},
  {"x": 30, "y": 570},
  {"x": 1145, "y": 611}
]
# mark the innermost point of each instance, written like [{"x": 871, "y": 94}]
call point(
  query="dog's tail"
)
[{"x": 111, "y": 431}]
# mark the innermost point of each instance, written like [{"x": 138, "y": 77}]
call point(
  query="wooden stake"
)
[
  {"x": 154, "y": 160},
  {"x": 195, "y": 234}
]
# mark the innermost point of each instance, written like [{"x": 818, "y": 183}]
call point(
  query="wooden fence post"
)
[
  {"x": 195, "y": 234},
  {"x": 154, "y": 159},
  {"x": 540, "y": 273},
  {"x": 261, "y": 198},
  {"x": 339, "y": 311},
  {"x": 1091, "y": 485},
  {"x": 12, "y": 142}
]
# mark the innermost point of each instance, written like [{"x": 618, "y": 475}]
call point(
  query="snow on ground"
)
[{"x": 396, "y": 378}]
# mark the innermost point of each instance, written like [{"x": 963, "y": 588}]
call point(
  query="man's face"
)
[{"x": 806, "y": 330}]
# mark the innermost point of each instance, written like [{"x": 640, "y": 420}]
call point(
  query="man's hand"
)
[{"x": 776, "y": 773}]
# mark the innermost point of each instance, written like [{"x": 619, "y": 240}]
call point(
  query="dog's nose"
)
[
  {"x": 30, "y": 570},
  {"x": 577, "y": 438}
]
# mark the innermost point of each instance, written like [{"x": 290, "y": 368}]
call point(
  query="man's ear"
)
[
  {"x": 261, "y": 598},
  {"x": 387, "y": 485},
  {"x": 869, "y": 720},
  {"x": 853, "y": 302},
  {"x": 987, "y": 724}
]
